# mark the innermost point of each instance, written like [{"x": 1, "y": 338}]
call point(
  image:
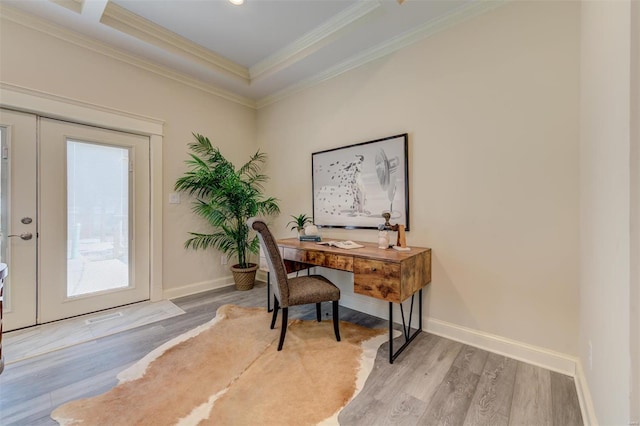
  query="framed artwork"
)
[{"x": 354, "y": 185}]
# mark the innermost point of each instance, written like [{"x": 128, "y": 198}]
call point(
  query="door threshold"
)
[{"x": 18, "y": 345}]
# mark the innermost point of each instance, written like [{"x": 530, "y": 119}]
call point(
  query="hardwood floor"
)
[{"x": 436, "y": 381}]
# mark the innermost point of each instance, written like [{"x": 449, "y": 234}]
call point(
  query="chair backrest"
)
[{"x": 276, "y": 265}]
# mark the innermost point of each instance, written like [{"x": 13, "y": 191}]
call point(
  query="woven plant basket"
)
[{"x": 244, "y": 278}]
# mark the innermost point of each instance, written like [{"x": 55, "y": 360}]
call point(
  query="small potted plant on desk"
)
[
  {"x": 299, "y": 222},
  {"x": 226, "y": 198},
  {"x": 306, "y": 230}
]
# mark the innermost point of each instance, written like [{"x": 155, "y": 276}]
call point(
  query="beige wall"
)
[
  {"x": 609, "y": 185},
  {"x": 635, "y": 212},
  {"x": 520, "y": 125},
  {"x": 491, "y": 108},
  {"x": 520, "y": 132},
  {"x": 41, "y": 62}
]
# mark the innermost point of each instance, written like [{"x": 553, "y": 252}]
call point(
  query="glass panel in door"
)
[{"x": 98, "y": 191}]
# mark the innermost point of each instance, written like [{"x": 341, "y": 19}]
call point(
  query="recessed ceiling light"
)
[{"x": 236, "y": 2}]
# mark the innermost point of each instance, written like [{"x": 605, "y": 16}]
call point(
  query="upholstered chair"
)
[{"x": 294, "y": 291}]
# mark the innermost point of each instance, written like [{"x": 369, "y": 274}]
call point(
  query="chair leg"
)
[
  {"x": 318, "y": 312},
  {"x": 283, "y": 329},
  {"x": 276, "y": 306},
  {"x": 336, "y": 320}
]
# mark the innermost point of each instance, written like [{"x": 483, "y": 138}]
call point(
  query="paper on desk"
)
[{"x": 341, "y": 244}]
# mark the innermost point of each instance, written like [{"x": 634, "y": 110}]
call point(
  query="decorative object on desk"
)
[
  {"x": 226, "y": 197},
  {"x": 354, "y": 185},
  {"x": 311, "y": 233},
  {"x": 383, "y": 239},
  {"x": 299, "y": 222},
  {"x": 248, "y": 382},
  {"x": 311, "y": 238},
  {"x": 401, "y": 244},
  {"x": 311, "y": 230}
]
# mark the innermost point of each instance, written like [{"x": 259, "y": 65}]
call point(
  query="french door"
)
[
  {"x": 91, "y": 222},
  {"x": 18, "y": 201}
]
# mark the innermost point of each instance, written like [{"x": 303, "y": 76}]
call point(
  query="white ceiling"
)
[{"x": 253, "y": 53}]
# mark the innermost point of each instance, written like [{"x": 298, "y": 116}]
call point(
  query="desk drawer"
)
[
  {"x": 318, "y": 258},
  {"x": 338, "y": 261},
  {"x": 303, "y": 256},
  {"x": 377, "y": 279}
]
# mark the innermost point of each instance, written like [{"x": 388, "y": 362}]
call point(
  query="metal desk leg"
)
[{"x": 406, "y": 328}]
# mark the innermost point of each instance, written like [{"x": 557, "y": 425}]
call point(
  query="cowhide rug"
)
[{"x": 228, "y": 372}]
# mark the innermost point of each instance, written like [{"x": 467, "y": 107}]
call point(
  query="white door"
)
[
  {"x": 94, "y": 219},
  {"x": 18, "y": 229}
]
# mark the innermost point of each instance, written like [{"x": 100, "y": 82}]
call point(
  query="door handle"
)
[{"x": 25, "y": 236}]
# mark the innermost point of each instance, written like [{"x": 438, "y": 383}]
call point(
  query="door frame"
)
[{"x": 61, "y": 108}]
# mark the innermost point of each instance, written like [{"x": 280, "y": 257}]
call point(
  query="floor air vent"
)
[{"x": 103, "y": 318}]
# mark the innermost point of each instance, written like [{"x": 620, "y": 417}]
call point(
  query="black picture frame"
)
[{"x": 355, "y": 184}]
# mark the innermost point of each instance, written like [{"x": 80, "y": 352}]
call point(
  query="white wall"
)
[
  {"x": 608, "y": 183},
  {"x": 42, "y": 62},
  {"x": 491, "y": 108}
]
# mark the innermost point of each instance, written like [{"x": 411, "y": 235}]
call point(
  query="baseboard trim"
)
[
  {"x": 187, "y": 290},
  {"x": 545, "y": 358},
  {"x": 584, "y": 397}
]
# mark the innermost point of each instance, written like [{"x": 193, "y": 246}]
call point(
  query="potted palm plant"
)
[{"x": 226, "y": 197}]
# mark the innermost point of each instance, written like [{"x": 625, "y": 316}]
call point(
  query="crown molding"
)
[
  {"x": 122, "y": 20},
  {"x": 56, "y": 31},
  {"x": 428, "y": 29},
  {"x": 73, "y": 5},
  {"x": 313, "y": 40},
  {"x": 294, "y": 52}
]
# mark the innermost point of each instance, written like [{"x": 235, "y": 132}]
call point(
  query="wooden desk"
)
[{"x": 389, "y": 275}]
